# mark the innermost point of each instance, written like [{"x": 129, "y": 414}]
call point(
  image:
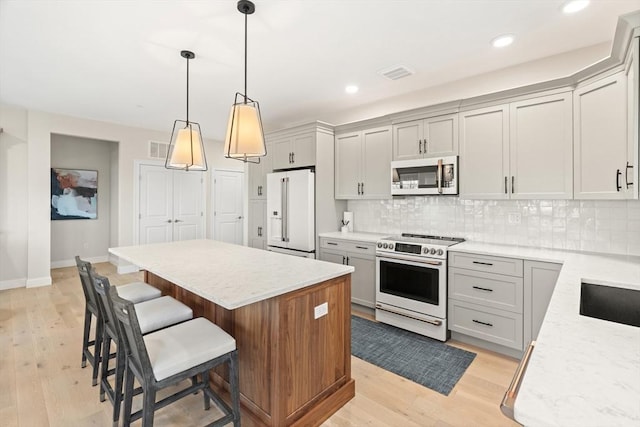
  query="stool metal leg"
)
[
  {"x": 85, "y": 335},
  {"x": 234, "y": 388}
]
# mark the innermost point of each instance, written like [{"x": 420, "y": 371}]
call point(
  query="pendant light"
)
[
  {"x": 245, "y": 137},
  {"x": 186, "y": 150}
]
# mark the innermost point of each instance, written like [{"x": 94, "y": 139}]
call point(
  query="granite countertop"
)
[
  {"x": 229, "y": 275},
  {"x": 583, "y": 371},
  {"x": 355, "y": 236}
]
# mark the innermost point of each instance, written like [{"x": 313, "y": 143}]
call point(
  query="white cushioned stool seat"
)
[
  {"x": 186, "y": 345},
  {"x": 138, "y": 291},
  {"x": 161, "y": 312}
]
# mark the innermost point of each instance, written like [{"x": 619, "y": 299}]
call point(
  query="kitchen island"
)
[{"x": 290, "y": 317}]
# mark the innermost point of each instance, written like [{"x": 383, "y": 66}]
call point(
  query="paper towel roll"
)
[{"x": 347, "y": 219}]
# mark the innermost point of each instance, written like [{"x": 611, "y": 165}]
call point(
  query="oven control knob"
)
[
  {"x": 425, "y": 251},
  {"x": 385, "y": 245},
  {"x": 440, "y": 252},
  {"x": 390, "y": 245},
  {"x": 379, "y": 244},
  {"x": 433, "y": 251}
]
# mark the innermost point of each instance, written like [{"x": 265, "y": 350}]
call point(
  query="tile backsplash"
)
[{"x": 588, "y": 225}]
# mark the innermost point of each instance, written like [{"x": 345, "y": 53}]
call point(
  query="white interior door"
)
[
  {"x": 170, "y": 205},
  {"x": 156, "y": 205},
  {"x": 188, "y": 215},
  {"x": 228, "y": 202}
]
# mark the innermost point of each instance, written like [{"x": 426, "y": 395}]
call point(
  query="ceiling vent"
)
[
  {"x": 396, "y": 72},
  {"x": 158, "y": 150}
]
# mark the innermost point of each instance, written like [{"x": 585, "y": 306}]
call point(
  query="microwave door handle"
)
[{"x": 439, "y": 177}]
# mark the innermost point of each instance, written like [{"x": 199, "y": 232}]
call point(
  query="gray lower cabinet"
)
[
  {"x": 360, "y": 255},
  {"x": 257, "y": 228},
  {"x": 499, "y": 300},
  {"x": 539, "y": 282}
]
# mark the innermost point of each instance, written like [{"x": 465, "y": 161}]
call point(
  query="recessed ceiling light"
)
[
  {"x": 503, "y": 40},
  {"x": 574, "y": 6},
  {"x": 351, "y": 89}
]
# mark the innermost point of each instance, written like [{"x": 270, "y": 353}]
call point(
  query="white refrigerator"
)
[{"x": 291, "y": 212}]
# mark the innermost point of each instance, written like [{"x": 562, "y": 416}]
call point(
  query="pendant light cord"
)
[
  {"x": 245, "y": 58},
  {"x": 187, "y": 91}
]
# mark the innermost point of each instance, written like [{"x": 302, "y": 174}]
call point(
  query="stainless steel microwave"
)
[{"x": 437, "y": 175}]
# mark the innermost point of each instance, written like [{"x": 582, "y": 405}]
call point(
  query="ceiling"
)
[{"x": 119, "y": 61}]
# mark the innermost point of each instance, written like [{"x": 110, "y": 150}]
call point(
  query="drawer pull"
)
[
  {"x": 332, "y": 243},
  {"x": 362, "y": 247},
  {"x": 482, "y": 323},
  {"x": 483, "y": 263},
  {"x": 482, "y": 289}
]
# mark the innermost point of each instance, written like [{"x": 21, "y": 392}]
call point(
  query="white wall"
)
[
  {"x": 596, "y": 226},
  {"x": 26, "y": 144},
  {"x": 88, "y": 238},
  {"x": 13, "y": 197}
]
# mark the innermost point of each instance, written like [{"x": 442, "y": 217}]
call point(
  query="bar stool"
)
[
  {"x": 135, "y": 292},
  {"x": 152, "y": 315},
  {"x": 169, "y": 356}
]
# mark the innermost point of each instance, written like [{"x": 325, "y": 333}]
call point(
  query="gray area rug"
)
[{"x": 420, "y": 359}]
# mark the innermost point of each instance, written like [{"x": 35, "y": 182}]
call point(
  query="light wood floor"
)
[{"x": 42, "y": 384}]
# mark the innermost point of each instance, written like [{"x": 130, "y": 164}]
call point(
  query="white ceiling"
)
[{"x": 119, "y": 61}]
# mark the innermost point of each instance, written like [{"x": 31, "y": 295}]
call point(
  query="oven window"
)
[{"x": 409, "y": 281}]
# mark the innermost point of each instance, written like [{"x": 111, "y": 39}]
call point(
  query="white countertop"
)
[
  {"x": 230, "y": 276},
  {"x": 355, "y": 236},
  {"x": 583, "y": 371}
]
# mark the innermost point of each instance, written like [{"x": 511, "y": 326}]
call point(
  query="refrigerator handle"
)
[{"x": 285, "y": 209}]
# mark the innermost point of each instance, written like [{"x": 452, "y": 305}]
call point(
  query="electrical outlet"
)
[
  {"x": 514, "y": 218},
  {"x": 320, "y": 310}
]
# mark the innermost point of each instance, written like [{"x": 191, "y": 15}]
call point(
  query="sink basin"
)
[{"x": 618, "y": 305}]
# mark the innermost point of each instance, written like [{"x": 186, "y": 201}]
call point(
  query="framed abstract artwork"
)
[{"x": 74, "y": 194}]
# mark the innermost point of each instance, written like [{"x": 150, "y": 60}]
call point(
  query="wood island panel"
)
[{"x": 295, "y": 370}]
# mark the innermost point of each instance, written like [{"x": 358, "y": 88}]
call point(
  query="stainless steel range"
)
[{"x": 411, "y": 283}]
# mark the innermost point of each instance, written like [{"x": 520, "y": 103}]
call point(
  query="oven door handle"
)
[
  {"x": 433, "y": 322},
  {"x": 397, "y": 258}
]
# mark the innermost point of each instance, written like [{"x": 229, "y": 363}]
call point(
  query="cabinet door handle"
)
[
  {"x": 332, "y": 243},
  {"x": 362, "y": 247},
  {"x": 626, "y": 175},
  {"x": 420, "y": 146},
  {"x": 169, "y": 220},
  {"x": 293, "y": 157},
  {"x": 482, "y": 263},
  {"x": 358, "y": 188},
  {"x": 259, "y": 231},
  {"x": 343, "y": 259},
  {"x": 177, "y": 220},
  {"x": 482, "y": 323},
  {"x": 482, "y": 289},
  {"x": 505, "y": 185},
  {"x": 347, "y": 260},
  {"x": 618, "y": 186},
  {"x": 424, "y": 148},
  {"x": 362, "y": 187},
  {"x": 513, "y": 184}
]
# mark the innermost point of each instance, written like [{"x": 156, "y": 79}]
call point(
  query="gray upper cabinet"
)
[
  {"x": 431, "y": 137},
  {"x": 294, "y": 151},
  {"x": 605, "y": 122},
  {"x": 363, "y": 164},
  {"x": 520, "y": 150}
]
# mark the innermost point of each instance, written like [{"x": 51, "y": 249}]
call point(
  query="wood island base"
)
[{"x": 295, "y": 370}]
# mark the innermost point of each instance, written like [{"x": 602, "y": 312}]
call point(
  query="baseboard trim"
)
[
  {"x": 72, "y": 262},
  {"x": 457, "y": 336},
  {"x": 39, "y": 281},
  {"x": 13, "y": 283}
]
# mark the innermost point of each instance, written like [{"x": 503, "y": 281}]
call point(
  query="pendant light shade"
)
[
  {"x": 244, "y": 131},
  {"x": 245, "y": 137},
  {"x": 186, "y": 149}
]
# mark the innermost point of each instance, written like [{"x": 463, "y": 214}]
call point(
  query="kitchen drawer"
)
[
  {"x": 348, "y": 245},
  {"x": 497, "y": 326},
  {"x": 487, "y": 263},
  {"x": 491, "y": 290}
]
